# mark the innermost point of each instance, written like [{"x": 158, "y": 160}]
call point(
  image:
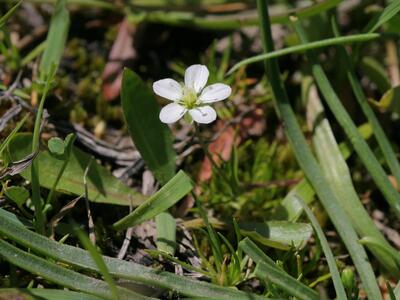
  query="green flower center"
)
[{"x": 189, "y": 99}]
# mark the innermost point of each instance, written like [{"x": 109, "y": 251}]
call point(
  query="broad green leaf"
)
[
  {"x": 18, "y": 194},
  {"x": 44, "y": 294},
  {"x": 389, "y": 12},
  {"x": 102, "y": 186},
  {"x": 11, "y": 227},
  {"x": 166, "y": 233},
  {"x": 9, "y": 14},
  {"x": 56, "y": 146},
  {"x": 59, "y": 274},
  {"x": 56, "y": 39},
  {"x": 278, "y": 234},
  {"x": 153, "y": 140},
  {"x": 286, "y": 282},
  {"x": 179, "y": 186},
  {"x": 151, "y": 137}
]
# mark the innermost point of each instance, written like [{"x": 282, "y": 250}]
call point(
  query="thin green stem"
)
[
  {"x": 40, "y": 218},
  {"x": 387, "y": 150},
  {"x": 204, "y": 146},
  {"x": 309, "y": 164},
  {"x": 348, "y": 126},
  {"x": 304, "y": 47}
]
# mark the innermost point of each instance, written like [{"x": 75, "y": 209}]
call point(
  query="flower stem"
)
[
  {"x": 207, "y": 153},
  {"x": 40, "y": 218}
]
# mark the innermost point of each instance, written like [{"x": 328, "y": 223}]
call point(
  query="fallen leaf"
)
[{"x": 122, "y": 50}]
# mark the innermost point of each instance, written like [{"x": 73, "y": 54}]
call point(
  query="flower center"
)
[{"x": 189, "y": 99}]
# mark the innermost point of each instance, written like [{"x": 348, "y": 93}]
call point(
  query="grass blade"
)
[
  {"x": 387, "y": 150},
  {"x": 44, "y": 294},
  {"x": 166, "y": 233},
  {"x": 290, "y": 208},
  {"x": 310, "y": 165},
  {"x": 168, "y": 195},
  {"x": 387, "y": 250},
  {"x": 60, "y": 275},
  {"x": 337, "y": 282},
  {"x": 98, "y": 260},
  {"x": 389, "y": 12},
  {"x": 267, "y": 269},
  {"x": 256, "y": 254},
  {"x": 304, "y": 47},
  {"x": 9, "y": 14},
  {"x": 348, "y": 126},
  {"x": 122, "y": 269},
  {"x": 285, "y": 282},
  {"x": 56, "y": 39},
  {"x": 339, "y": 178}
]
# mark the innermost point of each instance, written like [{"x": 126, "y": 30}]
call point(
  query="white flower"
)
[{"x": 190, "y": 97}]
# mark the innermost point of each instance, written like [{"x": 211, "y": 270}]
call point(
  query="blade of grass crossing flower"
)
[
  {"x": 301, "y": 48},
  {"x": 360, "y": 146},
  {"x": 179, "y": 186},
  {"x": 44, "y": 294},
  {"x": 337, "y": 282},
  {"x": 387, "y": 150},
  {"x": 85, "y": 241},
  {"x": 60, "y": 275},
  {"x": 310, "y": 166},
  {"x": 14, "y": 230},
  {"x": 339, "y": 178},
  {"x": 286, "y": 282},
  {"x": 56, "y": 39}
]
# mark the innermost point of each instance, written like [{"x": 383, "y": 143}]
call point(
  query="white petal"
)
[
  {"x": 215, "y": 92},
  {"x": 168, "y": 88},
  {"x": 203, "y": 114},
  {"x": 171, "y": 113},
  {"x": 196, "y": 77}
]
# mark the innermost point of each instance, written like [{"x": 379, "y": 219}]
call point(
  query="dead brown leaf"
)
[{"x": 121, "y": 51}]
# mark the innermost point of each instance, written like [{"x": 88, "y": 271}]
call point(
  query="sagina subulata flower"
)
[{"x": 191, "y": 96}]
